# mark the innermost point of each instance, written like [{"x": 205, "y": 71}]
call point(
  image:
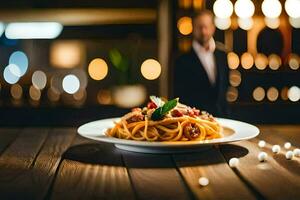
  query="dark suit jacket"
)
[{"x": 191, "y": 83}]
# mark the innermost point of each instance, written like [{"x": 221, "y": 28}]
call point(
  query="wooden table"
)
[{"x": 56, "y": 163}]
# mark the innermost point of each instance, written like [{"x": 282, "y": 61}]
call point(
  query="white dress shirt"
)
[{"x": 206, "y": 56}]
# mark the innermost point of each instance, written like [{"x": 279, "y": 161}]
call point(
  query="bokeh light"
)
[
  {"x": 258, "y": 94},
  {"x": 223, "y": 8},
  {"x": 247, "y": 60},
  {"x": 104, "y": 97},
  {"x": 185, "y": 4},
  {"x": 222, "y": 23},
  {"x": 232, "y": 94},
  {"x": 295, "y": 22},
  {"x": 185, "y": 26},
  {"x": 53, "y": 94},
  {"x": 98, "y": 69},
  {"x": 16, "y": 91},
  {"x": 292, "y": 7},
  {"x": 271, "y": 8},
  {"x": 272, "y": 23},
  {"x": 244, "y": 8},
  {"x": 34, "y": 93},
  {"x": 233, "y": 60},
  {"x": 272, "y": 94},
  {"x": 261, "y": 61},
  {"x": 245, "y": 23},
  {"x": 151, "y": 69},
  {"x": 20, "y": 59},
  {"x": 274, "y": 61},
  {"x": 235, "y": 78},
  {"x": 9, "y": 74},
  {"x": 294, "y": 93},
  {"x": 66, "y": 54},
  {"x": 284, "y": 93},
  {"x": 294, "y": 61},
  {"x": 70, "y": 84},
  {"x": 39, "y": 79},
  {"x": 80, "y": 95}
]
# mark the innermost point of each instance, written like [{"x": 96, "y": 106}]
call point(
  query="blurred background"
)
[{"x": 68, "y": 62}]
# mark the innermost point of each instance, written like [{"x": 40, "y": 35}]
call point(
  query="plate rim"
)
[{"x": 175, "y": 144}]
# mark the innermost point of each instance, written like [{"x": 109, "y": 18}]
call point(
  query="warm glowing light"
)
[
  {"x": 20, "y": 59},
  {"x": 261, "y": 61},
  {"x": 34, "y": 93},
  {"x": 294, "y": 93},
  {"x": 245, "y": 23},
  {"x": 66, "y": 54},
  {"x": 258, "y": 94},
  {"x": 284, "y": 93},
  {"x": 70, "y": 84},
  {"x": 272, "y": 94},
  {"x": 16, "y": 91},
  {"x": 292, "y": 8},
  {"x": 10, "y": 72},
  {"x": 294, "y": 61},
  {"x": 274, "y": 61},
  {"x": 272, "y": 23},
  {"x": 244, "y": 8},
  {"x": 151, "y": 69},
  {"x": 232, "y": 94},
  {"x": 295, "y": 22},
  {"x": 197, "y": 4},
  {"x": 233, "y": 60},
  {"x": 271, "y": 8},
  {"x": 39, "y": 79},
  {"x": 80, "y": 95},
  {"x": 184, "y": 44},
  {"x": 33, "y": 30},
  {"x": 222, "y": 23},
  {"x": 247, "y": 60},
  {"x": 185, "y": 4},
  {"x": 98, "y": 69},
  {"x": 104, "y": 97},
  {"x": 2, "y": 27},
  {"x": 223, "y": 8},
  {"x": 185, "y": 26},
  {"x": 235, "y": 78},
  {"x": 129, "y": 96}
]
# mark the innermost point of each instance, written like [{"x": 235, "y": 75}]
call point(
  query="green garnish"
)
[{"x": 161, "y": 111}]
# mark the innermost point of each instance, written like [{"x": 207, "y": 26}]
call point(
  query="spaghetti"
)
[{"x": 172, "y": 123}]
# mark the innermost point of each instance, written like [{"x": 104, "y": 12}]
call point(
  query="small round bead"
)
[
  {"x": 262, "y": 156},
  {"x": 287, "y": 145},
  {"x": 203, "y": 181},
  {"x": 296, "y": 152},
  {"x": 261, "y": 143},
  {"x": 233, "y": 162},
  {"x": 289, "y": 155},
  {"x": 276, "y": 148}
]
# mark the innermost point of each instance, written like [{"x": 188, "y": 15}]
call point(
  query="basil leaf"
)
[{"x": 161, "y": 111}]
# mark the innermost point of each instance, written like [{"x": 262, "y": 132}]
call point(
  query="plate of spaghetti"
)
[{"x": 167, "y": 127}]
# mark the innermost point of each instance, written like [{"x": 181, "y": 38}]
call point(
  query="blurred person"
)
[{"x": 201, "y": 75}]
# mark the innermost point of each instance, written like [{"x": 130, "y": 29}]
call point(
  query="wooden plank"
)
[
  {"x": 154, "y": 176},
  {"x": 92, "y": 170},
  {"x": 223, "y": 182},
  {"x": 269, "y": 178},
  {"x": 16, "y": 161},
  {"x": 7, "y": 136}
]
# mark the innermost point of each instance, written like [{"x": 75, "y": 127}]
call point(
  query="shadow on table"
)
[{"x": 107, "y": 154}]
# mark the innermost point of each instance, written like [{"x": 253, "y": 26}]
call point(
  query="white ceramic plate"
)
[{"x": 233, "y": 131}]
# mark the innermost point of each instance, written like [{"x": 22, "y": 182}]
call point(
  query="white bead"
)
[
  {"x": 289, "y": 155},
  {"x": 276, "y": 148},
  {"x": 261, "y": 143},
  {"x": 296, "y": 152},
  {"x": 203, "y": 181},
  {"x": 287, "y": 145},
  {"x": 233, "y": 162},
  {"x": 262, "y": 156}
]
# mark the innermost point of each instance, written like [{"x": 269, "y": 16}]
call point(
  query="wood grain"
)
[
  {"x": 92, "y": 171},
  {"x": 223, "y": 182},
  {"x": 154, "y": 176},
  {"x": 16, "y": 161},
  {"x": 7, "y": 136}
]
